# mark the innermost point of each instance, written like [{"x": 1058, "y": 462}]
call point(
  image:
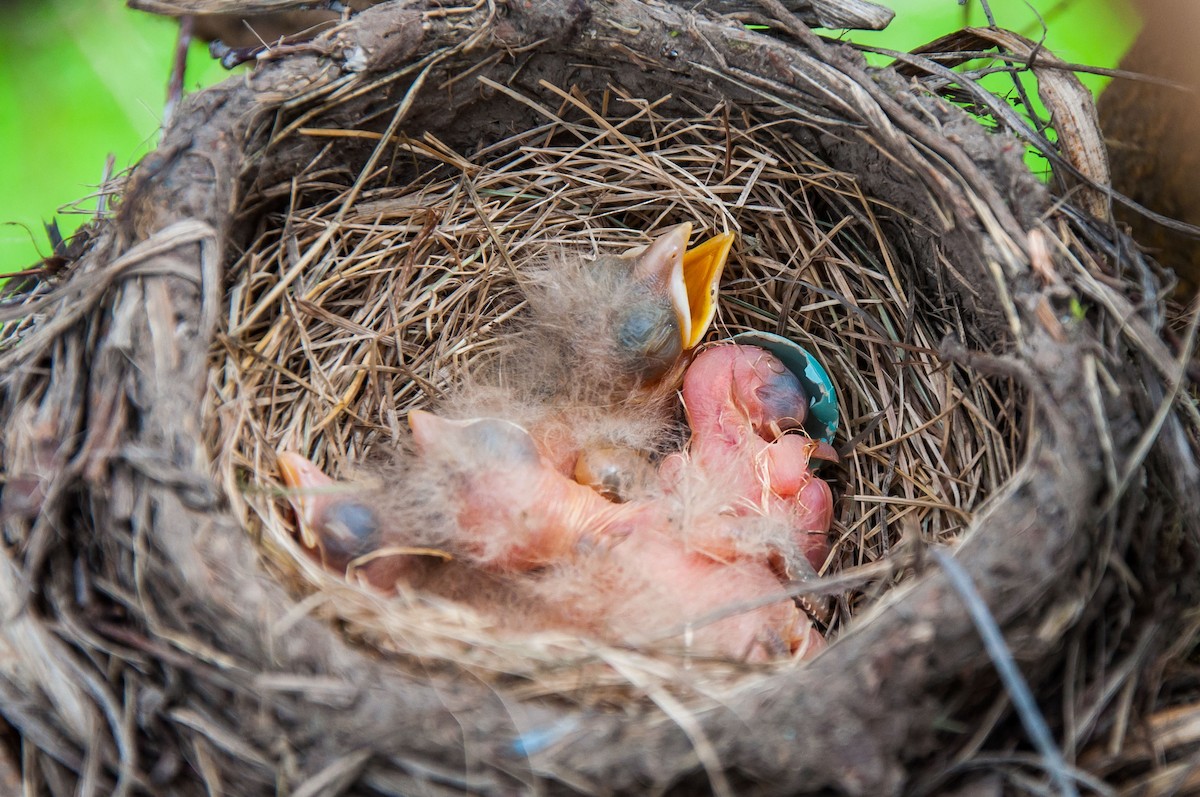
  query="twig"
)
[
  {"x": 1151, "y": 432},
  {"x": 178, "y": 70},
  {"x": 1023, "y": 701}
]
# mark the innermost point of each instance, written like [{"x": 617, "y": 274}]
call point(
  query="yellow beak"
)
[
  {"x": 688, "y": 278},
  {"x": 702, "y": 268}
]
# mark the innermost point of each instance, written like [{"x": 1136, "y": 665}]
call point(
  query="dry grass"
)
[{"x": 338, "y": 326}]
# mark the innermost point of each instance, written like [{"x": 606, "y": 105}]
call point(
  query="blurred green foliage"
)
[
  {"x": 1085, "y": 32},
  {"x": 83, "y": 79},
  {"x": 79, "y": 80},
  {"x": 1093, "y": 32}
]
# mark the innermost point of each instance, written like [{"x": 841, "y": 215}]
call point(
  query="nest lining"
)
[{"x": 419, "y": 279}]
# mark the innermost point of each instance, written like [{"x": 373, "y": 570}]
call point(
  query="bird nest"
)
[
  {"x": 421, "y": 280},
  {"x": 342, "y": 236}
]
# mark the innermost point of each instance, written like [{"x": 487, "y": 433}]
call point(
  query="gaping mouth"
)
[
  {"x": 690, "y": 278},
  {"x": 701, "y": 277}
]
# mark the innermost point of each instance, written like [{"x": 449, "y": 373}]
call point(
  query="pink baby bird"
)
[
  {"x": 745, "y": 409},
  {"x": 614, "y": 570},
  {"x": 618, "y": 570}
]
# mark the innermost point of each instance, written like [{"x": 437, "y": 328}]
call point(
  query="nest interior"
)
[
  {"x": 423, "y": 273},
  {"x": 334, "y": 240}
]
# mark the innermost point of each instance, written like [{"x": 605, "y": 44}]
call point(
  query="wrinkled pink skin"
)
[
  {"x": 515, "y": 510},
  {"x": 518, "y": 512},
  {"x": 690, "y": 587},
  {"x": 737, "y": 438},
  {"x": 546, "y": 518}
]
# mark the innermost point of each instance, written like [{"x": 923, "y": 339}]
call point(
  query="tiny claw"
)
[
  {"x": 798, "y": 570},
  {"x": 823, "y": 451}
]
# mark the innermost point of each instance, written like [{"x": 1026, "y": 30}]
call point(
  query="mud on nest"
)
[{"x": 327, "y": 243}]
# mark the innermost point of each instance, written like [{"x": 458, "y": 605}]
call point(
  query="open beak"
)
[
  {"x": 702, "y": 267},
  {"x": 689, "y": 277}
]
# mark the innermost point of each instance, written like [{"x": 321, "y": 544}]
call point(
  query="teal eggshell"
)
[{"x": 823, "y": 415}]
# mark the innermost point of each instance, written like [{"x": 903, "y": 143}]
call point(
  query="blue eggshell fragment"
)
[{"x": 823, "y": 414}]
